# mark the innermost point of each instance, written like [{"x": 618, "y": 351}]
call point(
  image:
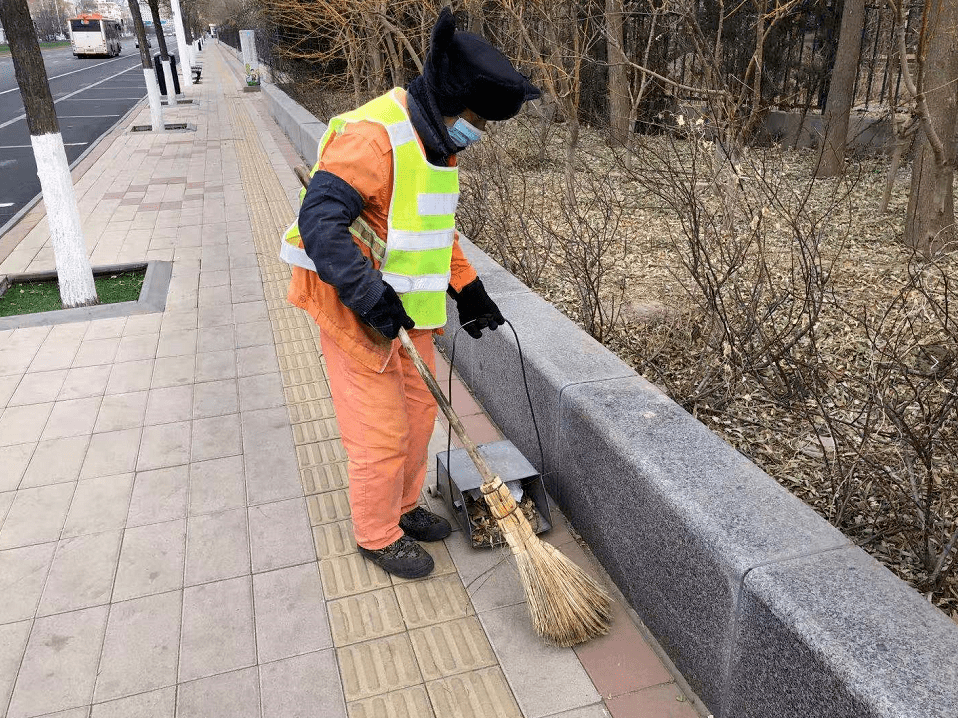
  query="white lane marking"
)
[
  {"x": 100, "y": 99},
  {"x": 20, "y": 147},
  {"x": 77, "y": 92},
  {"x": 6, "y": 204},
  {"x": 73, "y": 72}
]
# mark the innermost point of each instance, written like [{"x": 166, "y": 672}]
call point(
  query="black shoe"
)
[
  {"x": 424, "y": 525},
  {"x": 404, "y": 558}
]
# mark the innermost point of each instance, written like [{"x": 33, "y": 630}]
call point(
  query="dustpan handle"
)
[{"x": 454, "y": 422}]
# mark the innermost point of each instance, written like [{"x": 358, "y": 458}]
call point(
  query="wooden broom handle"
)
[{"x": 454, "y": 422}]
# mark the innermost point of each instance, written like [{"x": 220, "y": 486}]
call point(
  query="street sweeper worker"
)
[{"x": 375, "y": 249}]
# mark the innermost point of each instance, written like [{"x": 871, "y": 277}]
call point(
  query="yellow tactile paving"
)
[
  {"x": 308, "y": 432},
  {"x": 365, "y": 616},
  {"x": 476, "y": 694},
  {"x": 308, "y": 411},
  {"x": 409, "y": 703},
  {"x": 349, "y": 575},
  {"x": 335, "y": 539},
  {"x": 379, "y": 666},
  {"x": 439, "y": 599},
  {"x": 328, "y": 507},
  {"x": 322, "y": 452},
  {"x": 446, "y": 649},
  {"x": 329, "y": 477}
]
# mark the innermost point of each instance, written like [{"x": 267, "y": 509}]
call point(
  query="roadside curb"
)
[{"x": 764, "y": 607}]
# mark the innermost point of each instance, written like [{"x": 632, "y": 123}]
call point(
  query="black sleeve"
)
[{"x": 329, "y": 207}]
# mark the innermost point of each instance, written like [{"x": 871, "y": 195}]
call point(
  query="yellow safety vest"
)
[{"x": 416, "y": 255}]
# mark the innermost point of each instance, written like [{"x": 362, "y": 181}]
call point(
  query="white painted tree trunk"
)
[
  {"x": 185, "y": 59},
  {"x": 66, "y": 234},
  {"x": 170, "y": 87},
  {"x": 153, "y": 94}
]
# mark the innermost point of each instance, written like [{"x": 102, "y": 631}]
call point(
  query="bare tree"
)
[
  {"x": 831, "y": 159},
  {"x": 930, "y": 218},
  {"x": 74, "y": 274}
]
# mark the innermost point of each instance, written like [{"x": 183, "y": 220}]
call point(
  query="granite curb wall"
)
[{"x": 765, "y": 608}]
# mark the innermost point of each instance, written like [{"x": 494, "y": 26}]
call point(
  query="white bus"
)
[{"x": 95, "y": 35}]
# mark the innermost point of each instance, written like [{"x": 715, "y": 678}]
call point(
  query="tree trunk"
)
[
  {"x": 152, "y": 86},
  {"x": 618, "y": 74},
  {"x": 831, "y": 158},
  {"x": 74, "y": 274},
  {"x": 374, "y": 80},
  {"x": 158, "y": 28},
  {"x": 185, "y": 61},
  {"x": 930, "y": 219}
]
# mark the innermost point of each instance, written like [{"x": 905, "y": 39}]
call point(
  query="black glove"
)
[
  {"x": 474, "y": 303},
  {"x": 388, "y": 314}
]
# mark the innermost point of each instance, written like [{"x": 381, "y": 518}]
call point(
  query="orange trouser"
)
[{"x": 386, "y": 421}]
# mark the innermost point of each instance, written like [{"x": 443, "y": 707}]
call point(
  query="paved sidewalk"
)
[{"x": 174, "y": 525}]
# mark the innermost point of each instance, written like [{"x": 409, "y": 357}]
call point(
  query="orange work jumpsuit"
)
[{"x": 385, "y": 412}]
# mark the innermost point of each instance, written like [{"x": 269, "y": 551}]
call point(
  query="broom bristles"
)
[{"x": 567, "y": 605}]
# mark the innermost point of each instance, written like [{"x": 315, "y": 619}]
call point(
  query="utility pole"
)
[
  {"x": 74, "y": 274},
  {"x": 152, "y": 86}
]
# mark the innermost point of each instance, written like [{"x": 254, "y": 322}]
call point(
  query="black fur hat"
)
[{"x": 464, "y": 71}]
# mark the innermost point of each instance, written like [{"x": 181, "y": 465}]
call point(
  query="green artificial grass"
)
[
  {"x": 34, "y": 297},
  {"x": 43, "y": 45}
]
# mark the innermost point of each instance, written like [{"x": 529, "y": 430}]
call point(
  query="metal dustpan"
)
[{"x": 459, "y": 481}]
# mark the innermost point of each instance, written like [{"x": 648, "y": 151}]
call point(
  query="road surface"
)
[{"x": 91, "y": 95}]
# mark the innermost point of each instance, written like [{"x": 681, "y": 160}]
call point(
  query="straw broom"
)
[{"x": 567, "y": 606}]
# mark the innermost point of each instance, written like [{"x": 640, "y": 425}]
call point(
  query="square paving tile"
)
[
  {"x": 36, "y": 515},
  {"x": 164, "y": 445},
  {"x": 272, "y": 471},
  {"x": 22, "y": 574},
  {"x": 8, "y": 385},
  {"x": 177, "y": 343},
  {"x": 214, "y": 339},
  {"x": 213, "y": 365},
  {"x": 433, "y": 600},
  {"x": 173, "y": 371},
  {"x": 169, "y": 404},
  {"x": 99, "y": 504},
  {"x": 458, "y": 646},
  {"x": 82, "y": 573},
  {"x": 215, "y": 398},
  {"x": 121, "y": 411},
  {"x": 280, "y": 535},
  {"x": 130, "y": 376},
  {"x": 141, "y": 646},
  {"x": 85, "y": 381},
  {"x": 546, "y": 679},
  {"x": 23, "y": 424},
  {"x": 664, "y": 701},
  {"x": 217, "y": 628},
  {"x": 55, "y": 461},
  {"x": 290, "y": 612},
  {"x": 159, "y": 495},
  {"x": 217, "y": 485},
  {"x": 299, "y": 687},
  {"x": 153, "y": 704},
  {"x": 38, "y": 387},
  {"x": 137, "y": 347},
  {"x": 256, "y": 360},
  {"x": 96, "y": 351},
  {"x": 228, "y": 695},
  {"x": 365, "y": 616},
  {"x": 72, "y": 417},
  {"x": 13, "y": 639},
  {"x": 14, "y": 460},
  {"x": 151, "y": 560},
  {"x": 261, "y": 391},
  {"x": 66, "y": 646},
  {"x": 111, "y": 453},
  {"x": 217, "y": 547},
  {"x": 216, "y": 437}
]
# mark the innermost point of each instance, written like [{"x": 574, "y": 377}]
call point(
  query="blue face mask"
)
[{"x": 464, "y": 134}]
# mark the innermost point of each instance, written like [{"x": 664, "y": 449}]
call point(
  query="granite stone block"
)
[
  {"x": 862, "y": 641},
  {"x": 676, "y": 516}
]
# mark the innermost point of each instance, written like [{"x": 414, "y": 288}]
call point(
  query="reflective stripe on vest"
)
[{"x": 415, "y": 259}]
